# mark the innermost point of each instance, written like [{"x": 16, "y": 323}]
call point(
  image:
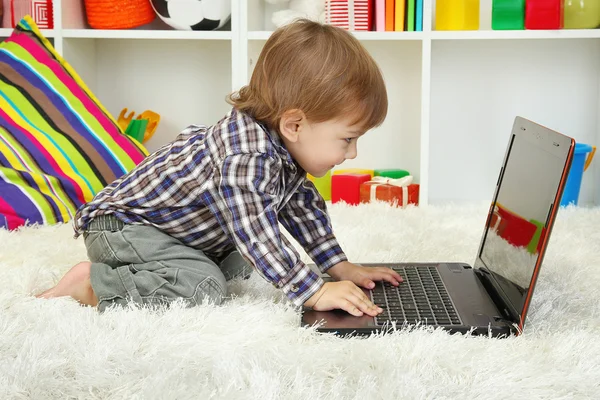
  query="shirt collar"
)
[{"x": 279, "y": 146}]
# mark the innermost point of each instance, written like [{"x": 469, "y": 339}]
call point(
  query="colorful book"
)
[
  {"x": 419, "y": 16},
  {"x": 399, "y": 15},
  {"x": 410, "y": 15},
  {"x": 380, "y": 15},
  {"x": 389, "y": 15}
]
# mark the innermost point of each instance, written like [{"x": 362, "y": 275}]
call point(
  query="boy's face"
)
[{"x": 318, "y": 147}]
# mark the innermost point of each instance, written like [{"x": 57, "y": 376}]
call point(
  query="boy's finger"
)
[
  {"x": 361, "y": 295},
  {"x": 365, "y": 305},
  {"x": 395, "y": 275},
  {"x": 385, "y": 275},
  {"x": 368, "y": 283},
  {"x": 351, "y": 308}
]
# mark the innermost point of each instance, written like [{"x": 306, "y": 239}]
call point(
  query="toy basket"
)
[
  {"x": 118, "y": 14},
  {"x": 39, "y": 10}
]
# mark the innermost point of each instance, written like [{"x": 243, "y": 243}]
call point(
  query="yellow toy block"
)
[
  {"x": 322, "y": 184},
  {"x": 359, "y": 171}
]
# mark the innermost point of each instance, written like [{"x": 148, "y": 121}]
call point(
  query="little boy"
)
[{"x": 206, "y": 208}]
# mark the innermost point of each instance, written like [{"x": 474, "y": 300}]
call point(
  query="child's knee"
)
[{"x": 211, "y": 290}]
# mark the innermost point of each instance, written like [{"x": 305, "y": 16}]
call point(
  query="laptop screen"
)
[{"x": 526, "y": 190}]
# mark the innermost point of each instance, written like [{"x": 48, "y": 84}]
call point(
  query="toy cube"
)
[
  {"x": 544, "y": 14},
  {"x": 508, "y": 14},
  {"x": 323, "y": 184},
  {"x": 346, "y": 187},
  {"x": 392, "y": 173},
  {"x": 354, "y": 171}
]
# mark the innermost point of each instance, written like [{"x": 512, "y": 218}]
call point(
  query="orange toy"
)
[
  {"x": 153, "y": 119},
  {"x": 401, "y": 191}
]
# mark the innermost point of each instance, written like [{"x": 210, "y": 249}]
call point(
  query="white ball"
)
[{"x": 193, "y": 14}]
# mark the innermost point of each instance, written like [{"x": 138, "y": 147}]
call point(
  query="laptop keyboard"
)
[{"x": 422, "y": 297}]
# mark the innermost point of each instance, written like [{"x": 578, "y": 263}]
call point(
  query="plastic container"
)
[
  {"x": 582, "y": 157},
  {"x": 544, "y": 14},
  {"x": 508, "y": 14},
  {"x": 118, "y": 14},
  {"x": 457, "y": 15},
  {"x": 582, "y": 14}
]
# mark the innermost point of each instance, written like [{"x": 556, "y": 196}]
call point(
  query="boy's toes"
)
[
  {"x": 73, "y": 280},
  {"x": 46, "y": 295}
]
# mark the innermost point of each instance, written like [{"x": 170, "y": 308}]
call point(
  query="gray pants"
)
[{"x": 141, "y": 264}]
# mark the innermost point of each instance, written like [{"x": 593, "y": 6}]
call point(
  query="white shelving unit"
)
[{"x": 452, "y": 95}]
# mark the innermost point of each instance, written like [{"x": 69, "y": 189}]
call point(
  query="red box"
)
[
  {"x": 41, "y": 12},
  {"x": 544, "y": 14},
  {"x": 346, "y": 187},
  {"x": 399, "y": 195}
]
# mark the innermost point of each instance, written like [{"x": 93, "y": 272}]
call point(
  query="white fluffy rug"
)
[{"x": 253, "y": 348}]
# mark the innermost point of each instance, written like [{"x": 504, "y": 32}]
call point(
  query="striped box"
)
[
  {"x": 39, "y": 10},
  {"x": 353, "y": 15}
]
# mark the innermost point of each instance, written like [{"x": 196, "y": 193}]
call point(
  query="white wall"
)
[
  {"x": 478, "y": 87},
  {"x": 166, "y": 76}
]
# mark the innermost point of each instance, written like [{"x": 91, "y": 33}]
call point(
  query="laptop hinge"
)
[{"x": 505, "y": 308}]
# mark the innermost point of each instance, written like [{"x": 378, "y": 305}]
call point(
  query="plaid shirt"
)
[{"x": 224, "y": 187}]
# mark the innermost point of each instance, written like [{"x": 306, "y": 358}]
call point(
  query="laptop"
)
[{"x": 492, "y": 296}]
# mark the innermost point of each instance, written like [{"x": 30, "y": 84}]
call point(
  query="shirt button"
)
[{"x": 295, "y": 288}]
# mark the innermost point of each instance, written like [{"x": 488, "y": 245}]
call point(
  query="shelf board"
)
[
  {"x": 264, "y": 35},
  {"x": 6, "y": 32},
  {"x": 145, "y": 34},
  {"x": 517, "y": 34},
  {"x": 388, "y": 35}
]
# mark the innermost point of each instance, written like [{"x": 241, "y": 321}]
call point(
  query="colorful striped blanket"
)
[{"x": 58, "y": 145}]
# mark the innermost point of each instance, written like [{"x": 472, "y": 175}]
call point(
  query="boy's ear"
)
[{"x": 291, "y": 124}]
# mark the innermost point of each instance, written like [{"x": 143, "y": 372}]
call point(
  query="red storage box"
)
[
  {"x": 40, "y": 11},
  {"x": 544, "y": 14}
]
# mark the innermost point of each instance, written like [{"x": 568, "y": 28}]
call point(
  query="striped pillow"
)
[{"x": 58, "y": 145}]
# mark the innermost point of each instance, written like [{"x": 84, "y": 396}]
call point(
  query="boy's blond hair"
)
[{"x": 320, "y": 69}]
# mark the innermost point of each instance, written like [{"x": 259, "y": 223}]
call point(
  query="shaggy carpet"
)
[{"x": 253, "y": 347}]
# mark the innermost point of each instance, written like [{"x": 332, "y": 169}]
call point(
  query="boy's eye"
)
[{"x": 348, "y": 140}]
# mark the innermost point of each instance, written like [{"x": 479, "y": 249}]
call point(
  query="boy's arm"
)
[
  {"x": 305, "y": 218},
  {"x": 244, "y": 203}
]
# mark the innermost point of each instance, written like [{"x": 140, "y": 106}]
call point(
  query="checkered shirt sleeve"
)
[{"x": 305, "y": 218}]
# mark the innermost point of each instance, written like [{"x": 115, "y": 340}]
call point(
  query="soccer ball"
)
[{"x": 196, "y": 15}]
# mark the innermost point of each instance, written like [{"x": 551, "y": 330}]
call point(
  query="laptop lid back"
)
[{"x": 525, "y": 203}]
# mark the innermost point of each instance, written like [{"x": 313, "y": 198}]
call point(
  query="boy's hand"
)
[
  {"x": 363, "y": 276},
  {"x": 344, "y": 295}
]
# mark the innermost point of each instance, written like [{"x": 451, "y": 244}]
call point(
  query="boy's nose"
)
[{"x": 352, "y": 152}]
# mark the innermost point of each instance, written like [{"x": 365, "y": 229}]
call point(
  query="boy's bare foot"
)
[{"x": 76, "y": 284}]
